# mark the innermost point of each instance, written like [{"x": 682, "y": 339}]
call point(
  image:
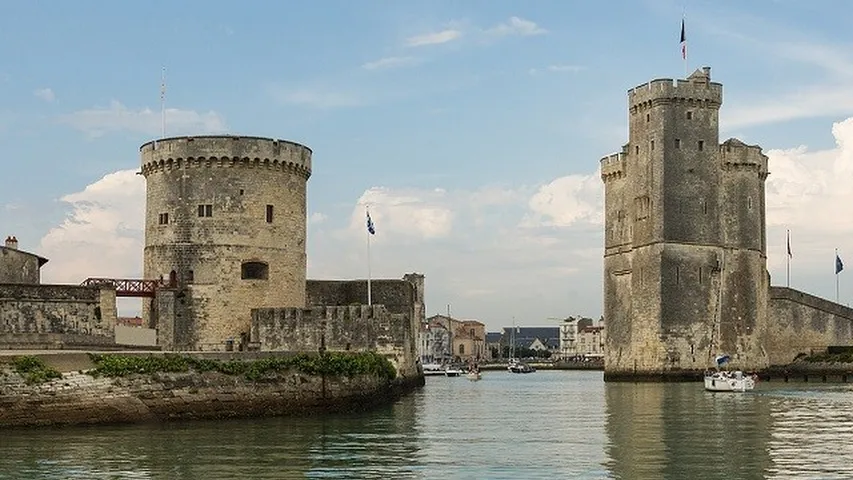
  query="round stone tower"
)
[{"x": 225, "y": 227}]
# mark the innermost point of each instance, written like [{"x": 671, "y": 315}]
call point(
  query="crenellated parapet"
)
[
  {"x": 697, "y": 90},
  {"x": 613, "y": 167},
  {"x": 243, "y": 152},
  {"x": 738, "y": 156}
]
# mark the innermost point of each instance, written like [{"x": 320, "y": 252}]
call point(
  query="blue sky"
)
[{"x": 473, "y": 129}]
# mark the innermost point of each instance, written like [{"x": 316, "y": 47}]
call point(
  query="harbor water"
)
[{"x": 548, "y": 425}]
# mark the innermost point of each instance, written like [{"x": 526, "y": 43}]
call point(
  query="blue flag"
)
[
  {"x": 838, "y": 265},
  {"x": 370, "y": 225}
]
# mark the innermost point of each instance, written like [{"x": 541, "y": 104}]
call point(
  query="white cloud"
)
[
  {"x": 45, "y": 94},
  {"x": 811, "y": 102},
  {"x": 391, "y": 62},
  {"x": 434, "y": 38},
  {"x": 98, "y": 121},
  {"x": 317, "y": 98},
  {"x": 102, "y": 235},
  {"x": 317, "y": 218},
  {"x": 516, "y": 26},
  {"x": 568, "y": 201}
]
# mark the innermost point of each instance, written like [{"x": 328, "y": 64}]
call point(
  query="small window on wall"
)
[
  {"x": 254, "y": 271},
  {"x": 163, "y": 219},
  {"x": 205, "y": 210},
  {"x": 269, "y": 213}
]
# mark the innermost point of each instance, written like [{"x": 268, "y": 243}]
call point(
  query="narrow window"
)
[
  {"x": 749, "y": 203},
  {"x": 677, "y": 276},
  {"x": 677, "y": 143},
  {"x": 653, "y": 144},
  {"x": 164, "y": 219},
  {"x": 648, "y": 117},
  {"x": 190, "y": 276},
  {"x": 637, "y": 149},
  {"x": 704, "y": 207},
  {"x": 701, "y": 145},
  {"x": 461, "y": 349},
  {"x": 269, "y": 213},
  {"x": 205, "y": 210},
  {"x": 254, "y": 271},
  {"x": 241, "y": 191},
  {"x": 700, "y": 275},
  {"x": 689, "y": 115}
]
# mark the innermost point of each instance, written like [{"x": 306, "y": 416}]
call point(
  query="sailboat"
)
[
  {"x": 515, "y": 365},
  {"x": 728, "y": 381}
]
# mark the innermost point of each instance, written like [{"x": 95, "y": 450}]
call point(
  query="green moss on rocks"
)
[
  {"x": 828, "y": 358},
  {"x": 329, "y": 364},
  {"x": 34, "y": 370}
]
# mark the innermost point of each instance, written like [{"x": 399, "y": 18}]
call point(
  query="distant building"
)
[
  {"x": 569, "y": 335},
  {"x": 434, "y": 342},
  {"x": 536, "y": 338},
  {"x": 130, "y": 321},
  {"x": 468, "y": 338}
]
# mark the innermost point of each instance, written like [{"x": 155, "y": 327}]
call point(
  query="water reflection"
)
[{"x": 547, "y": 425}]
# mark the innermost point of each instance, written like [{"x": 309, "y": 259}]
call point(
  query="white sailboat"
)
[{"x": 728, "y": 381}]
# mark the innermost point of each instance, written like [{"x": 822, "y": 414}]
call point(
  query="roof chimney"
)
[{"x": 12, "y": 242}]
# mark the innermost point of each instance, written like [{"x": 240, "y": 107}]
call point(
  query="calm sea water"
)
[{"x": 549, "y": 425}]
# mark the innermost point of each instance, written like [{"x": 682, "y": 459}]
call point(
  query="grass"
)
[
  {"x": 34, "y": 370},
  {"x": 328, "y": 364}
]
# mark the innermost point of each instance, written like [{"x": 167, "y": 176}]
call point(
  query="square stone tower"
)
[{"x": 685, "y": 274}]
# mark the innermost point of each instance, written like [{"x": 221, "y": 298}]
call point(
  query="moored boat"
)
[
  {"x": 452, "y": 372},
  {"x": 433, "y": 369},
  {"x": 517, "y": 366},
  {"x": 726, "y": 381}
]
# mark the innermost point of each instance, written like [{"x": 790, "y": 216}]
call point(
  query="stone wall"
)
[
  {"x": 47, "y": 314},
  {"x": 78, "y": 398},
  {"x": 803, "y": 323},
  {"x": 338, "y": 328}
]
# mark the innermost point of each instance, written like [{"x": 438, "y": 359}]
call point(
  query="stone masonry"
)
[
  {"x": 685, "y": 275},
  {"x": 226, "y": 219}
]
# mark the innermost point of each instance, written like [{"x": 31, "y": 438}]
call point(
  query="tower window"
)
[
  {"x": 190, "y": 276},
  {"x": 700, "y": 275},
  {"x": 242, "y": 191},
  {"x": 701, "y": 145},
  {"x": 653, "y": 144},
  {"x": 677, "y": 276},
  {"x": 749, "y": 203},
  {"x": 648, "y": 117},
  {"x": 269, "y": 213},
  {"x": 704, "y": 207},
  {"x": 677, "y": 143},
  {"x": 254, "y": 271},
  {"x": 163, "y": 219},
  {"x": 205, "y": 210},
  {"x": 637, "y": 149},
  {"x": 689, "y": 115}
]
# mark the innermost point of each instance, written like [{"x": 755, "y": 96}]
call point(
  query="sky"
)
[{"x": 472, "y": 129}]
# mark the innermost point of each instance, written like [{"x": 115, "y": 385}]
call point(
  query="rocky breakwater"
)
[{"x": 126, "y": 389}]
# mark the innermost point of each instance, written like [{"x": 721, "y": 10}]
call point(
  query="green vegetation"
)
[
  {"x": 328, "y": 363},
  {"x": 828, "y": 358},
  {"x": 34, "y": 370}
]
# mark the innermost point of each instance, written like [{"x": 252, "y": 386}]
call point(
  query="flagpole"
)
[
  {"x": 369, "y": 299},
  {"x": 789, "y": 258},
  {"x": 163, "y": 104},
  {"x": 684, "y": 37},
  {"x": 837, "y": 271}
]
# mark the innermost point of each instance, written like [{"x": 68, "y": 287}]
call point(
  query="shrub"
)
[
  {"x": 327, "y": 364},
  {"x": 34, "y": 370}
]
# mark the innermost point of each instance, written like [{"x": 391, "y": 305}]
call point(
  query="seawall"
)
[{"x": 78, "y": 397}]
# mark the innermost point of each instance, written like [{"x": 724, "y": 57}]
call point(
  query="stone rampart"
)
[
  {"x": 78, "y": 398},
  {"x": 41, "y": 315},
  {"x": 357, "y": 328},
  {"x": 802, "y": 323}
]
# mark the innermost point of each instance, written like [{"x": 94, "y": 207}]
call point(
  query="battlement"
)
[
  {"x": 697, "y": 88},
  {"x": 225, "y": 151},
  {"x": 734, "y": 154},
  {"x": 613, "y": 166}
]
